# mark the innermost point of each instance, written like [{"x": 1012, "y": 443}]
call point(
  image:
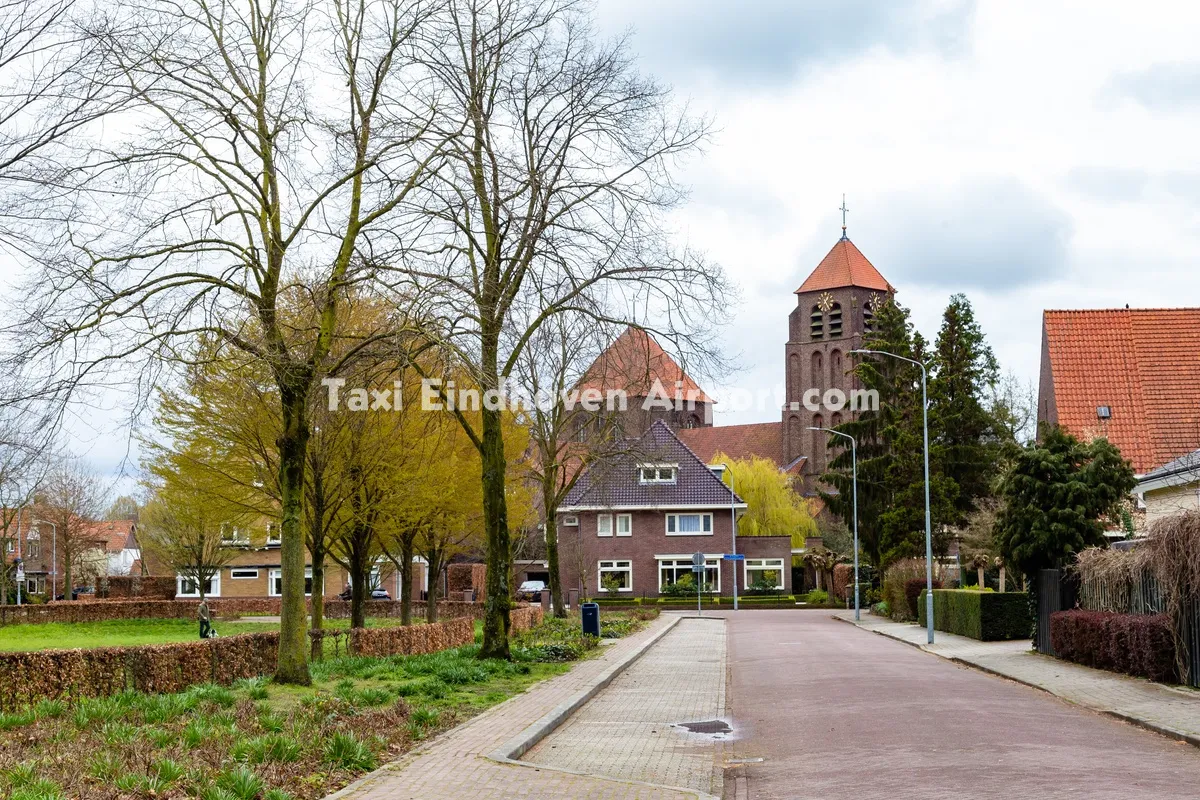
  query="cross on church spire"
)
[{"x": 844, "y": 211}]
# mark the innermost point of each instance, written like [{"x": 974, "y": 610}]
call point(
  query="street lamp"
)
[
  {"x": 928, "y": 525},
  {"x": 733, "y": 528},
  {"x": 53, "y": 556},
  {"x": 854, "y": 484}
]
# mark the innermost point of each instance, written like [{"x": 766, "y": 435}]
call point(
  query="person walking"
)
[{"x": 205, "y": 619}]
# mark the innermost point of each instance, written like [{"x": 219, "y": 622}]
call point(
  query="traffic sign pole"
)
[{"x": 698, "y": 572}]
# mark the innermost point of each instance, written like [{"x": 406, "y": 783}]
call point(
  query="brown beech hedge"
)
[
  {"x": 26, "y": 678},
  {"x": 1142, "y": 645}
]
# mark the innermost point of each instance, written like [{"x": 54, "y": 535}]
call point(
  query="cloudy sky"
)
[{"x": 1030, "y": 154}]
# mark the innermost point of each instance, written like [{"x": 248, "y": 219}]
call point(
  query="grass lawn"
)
[
  {"x": 258, "y": 741},
  {"x": 124, "y": 632}
]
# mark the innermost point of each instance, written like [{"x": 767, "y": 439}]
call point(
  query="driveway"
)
[{"x": 838, "y": 712}]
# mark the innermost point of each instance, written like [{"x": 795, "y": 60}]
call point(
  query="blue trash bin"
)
[{"x": 591, "y": 619}]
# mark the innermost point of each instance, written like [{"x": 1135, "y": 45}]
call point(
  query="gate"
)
[{"x": 1056, "y": 591}]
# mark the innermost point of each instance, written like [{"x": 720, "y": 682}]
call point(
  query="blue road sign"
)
[{"x": 734, "y": 557}]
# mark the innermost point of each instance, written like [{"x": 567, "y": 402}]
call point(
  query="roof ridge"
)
[{"x": 1114, "y": 310}]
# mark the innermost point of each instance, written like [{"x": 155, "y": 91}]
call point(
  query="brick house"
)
[{"x": 638, "y": 518}]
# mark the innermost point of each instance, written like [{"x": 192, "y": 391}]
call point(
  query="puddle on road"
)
[{"x": 711, "y": 727}]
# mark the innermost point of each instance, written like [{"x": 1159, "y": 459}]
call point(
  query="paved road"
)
[
  {"x": 838, "y": 712},
  {"x": 632, "y": 728}
]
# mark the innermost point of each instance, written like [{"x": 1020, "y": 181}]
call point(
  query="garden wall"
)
[
  {"x": 525, "y": 617},
  {"x": 1142, "y": 645},
  {"x": 29, "y": 677},
  {"x": 987, "y": 616}
]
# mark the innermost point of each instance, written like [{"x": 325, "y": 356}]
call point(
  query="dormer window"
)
[
  {"x": 273, "y": 534},
  {"x": 231, "y": 536},
  {"x": 817, "y": 323},
  {"x": 657, "y": 473},
  {"x": 835, "y": 321}
]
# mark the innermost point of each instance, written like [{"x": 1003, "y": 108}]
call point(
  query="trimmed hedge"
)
[
  {"x": 26, "y": 678},
  {"x": 100, "y": 610},
  {"x": 147, "y": 587},
  {"x": 987, "y": 616},
  {"x": 1142, "y": 645},
  {"x": 412, "y": 639}
]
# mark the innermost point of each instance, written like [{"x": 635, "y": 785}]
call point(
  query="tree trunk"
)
[
  {"x": 979, "y": 576},
  {"x": 318, "y": 599},
  {"x": 434, "y": 567},
  {"x": 495, "y": 515},
  {"x": 292, "y": 666},
  {"x": 1002, "y": 580},
  {"x": 551, "y": 507},
  {"x": 406, "y": 577},
  {"x": 360, "y": 579}
]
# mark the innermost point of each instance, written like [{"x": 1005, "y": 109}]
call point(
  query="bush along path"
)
[{"x": 257, "y": 741}]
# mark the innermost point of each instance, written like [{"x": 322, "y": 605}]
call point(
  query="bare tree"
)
[
  {"x": 23, "y": 460},
  {"x": 553, "y": 199},
  {"x": 73, "y": 498},
  {"x": 264, "y": 143},
  {"x": 566, "y": 437}
]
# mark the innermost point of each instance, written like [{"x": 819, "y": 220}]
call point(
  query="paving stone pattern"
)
[
  {"x": 455, "y": 767},
  {"x": 632, "y": 729}
]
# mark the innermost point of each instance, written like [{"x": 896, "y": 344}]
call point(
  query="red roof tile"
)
[
  {"x": 844, "y": 265},
  {"x": 632, "y": 363},
  {"x": 1143, "y": 363},
  {"x": 116, "y": 535},
  {"x": 762, "y": 439}
]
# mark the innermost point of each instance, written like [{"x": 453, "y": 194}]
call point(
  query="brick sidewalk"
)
[
  {"x": 630, "y": 729},
  {"x": 1171, "y": 711},
  {"x": 455, "y": 766}
]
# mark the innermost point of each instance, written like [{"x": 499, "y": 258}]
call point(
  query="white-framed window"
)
[
  {"x": 570, "y": 522},
  {"x": 35, "y": 584},
  {"x": 10, "y": 545},
  {"x": 186, "y": 587},
  {"x": 273, "y": 536},
  {"x": 275, "y": 582},
  {"x": 764, "y": 569},
  {"x": 619, "y": 570},
  {"x": 604, "y": 525},
  {"x": 690, "y": 524},
  {"x": 624, "y": 525},
  {"x": 672, "y": 570},
  {"x": 243, "y": 574},
  {"x": 233, "y": 536},
  {"x": 657, "y": 473},
  {"x": 33, "y": 548}
]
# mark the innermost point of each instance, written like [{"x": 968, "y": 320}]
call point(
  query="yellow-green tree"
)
[{"x": 773, "y": 507}]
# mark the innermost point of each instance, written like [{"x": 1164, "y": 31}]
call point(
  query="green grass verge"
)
[
  {"x": 258, "y": 741},
  {"x": 127, "y": 632}
]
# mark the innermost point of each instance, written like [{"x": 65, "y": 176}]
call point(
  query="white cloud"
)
[{"x": 1038, "y": 153}]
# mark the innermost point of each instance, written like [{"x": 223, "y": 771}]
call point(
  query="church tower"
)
[{"x": 834, "y": 309}]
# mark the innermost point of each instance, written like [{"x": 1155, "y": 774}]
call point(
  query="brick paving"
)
[
  {"x": 1173, "y": 711},
  {"x": 630, "y": 729},
  {"x": 455, "y": 766}
]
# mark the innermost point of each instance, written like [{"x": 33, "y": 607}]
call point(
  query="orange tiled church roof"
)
[
  {"x": 1143, "y": 363},
  {"x": 845, "y": 265},
  {"x": 632, "y": 363}
]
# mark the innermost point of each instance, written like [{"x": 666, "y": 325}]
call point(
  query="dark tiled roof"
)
[
  {"x": 1143, "y": 363},
  {"x": 1183, "y": 464},
  {"x": 614, "y": 482}
]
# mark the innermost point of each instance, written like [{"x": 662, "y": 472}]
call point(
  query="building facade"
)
[{"x": 632, "y": 530}]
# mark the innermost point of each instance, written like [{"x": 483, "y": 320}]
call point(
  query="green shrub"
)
[
  {"x": 987, "y": 616},
  {"x": 817, "y": 597},
  {"x": 881, "y": 608}
]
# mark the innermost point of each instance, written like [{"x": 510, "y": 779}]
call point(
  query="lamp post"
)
[
  {"x": 928, "y": 525},
  {"x": 53, "y": 556},
  {"x": 854, "y": 491},
  {"x": 733, "y": 528}
]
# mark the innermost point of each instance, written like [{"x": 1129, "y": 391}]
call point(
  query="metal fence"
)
[{"x": 1059, "y": 590}]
